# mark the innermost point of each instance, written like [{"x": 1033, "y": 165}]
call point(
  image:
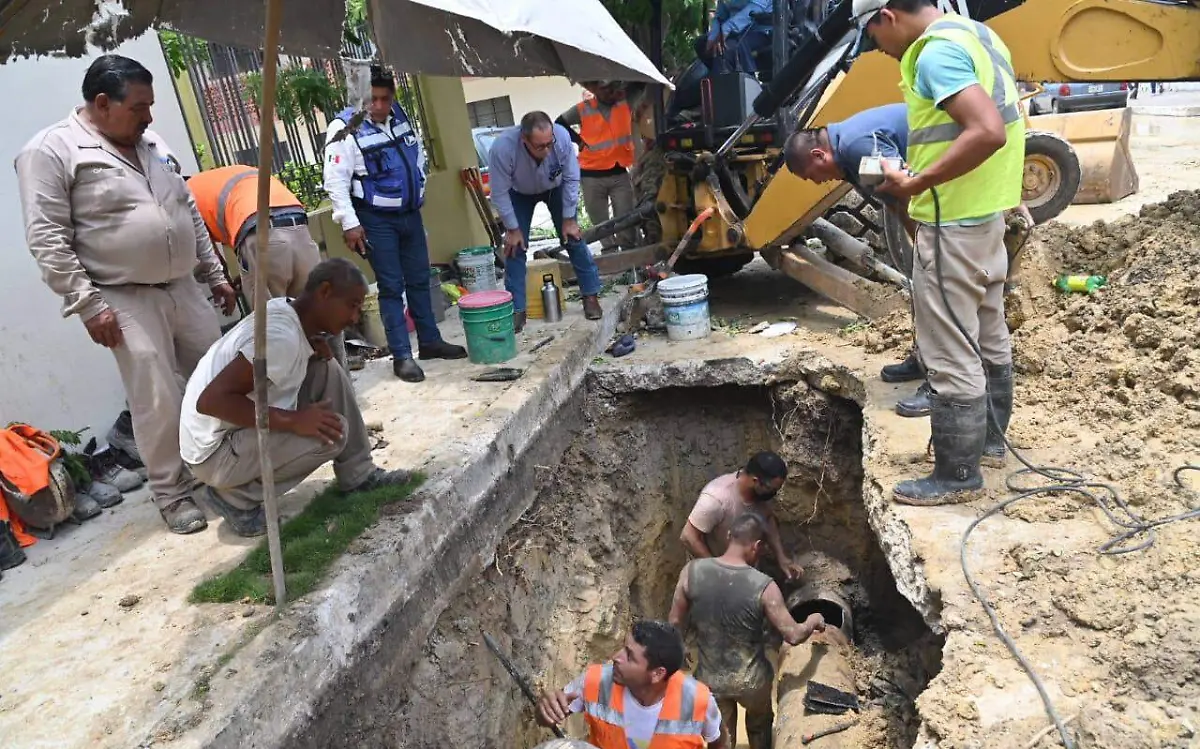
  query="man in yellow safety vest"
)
[{"x": 966, "y": 147}]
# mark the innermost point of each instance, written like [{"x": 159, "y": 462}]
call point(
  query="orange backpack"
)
[{"x": 33, "y": 481}]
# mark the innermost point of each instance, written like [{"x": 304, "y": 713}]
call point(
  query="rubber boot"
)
[
  {"x": 11, "y": 554},
  {"x": 1000, "y": 406},
  {"x": 959, "y": 429}
]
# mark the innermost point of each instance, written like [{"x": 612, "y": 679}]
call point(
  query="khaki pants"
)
[
  {"x": 759, "y": 717},
  {"x": 166, "y": 330},
  {"x": 233, "y": 471},
  {"x": 597, "y": 192},
  {"x": 974, "y": 265},
  {"x": 291, "y": 256}
]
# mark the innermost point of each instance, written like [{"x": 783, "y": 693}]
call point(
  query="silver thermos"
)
[{"x": 550, "y": 299}]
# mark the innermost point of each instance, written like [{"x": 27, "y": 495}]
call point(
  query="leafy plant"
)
[
  {"x": 74, "y": 461},
  {"x": 682, "y": 22},
  {"x": 300, "y": 92},
  {"x": 355, "y": 24},
  {"x": 306, "y": 182},
  {"x": 182, "y": 51}
]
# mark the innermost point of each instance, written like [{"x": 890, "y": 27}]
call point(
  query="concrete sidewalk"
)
[
  {"x": 100, "y": 648},
  {"x": 1168, "y": 104}
]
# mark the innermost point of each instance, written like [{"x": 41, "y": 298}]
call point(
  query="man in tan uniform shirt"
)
[{"x": 116, "y": 234}]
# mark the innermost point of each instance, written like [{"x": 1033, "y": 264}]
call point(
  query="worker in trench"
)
[
  {"x": 966, "y": 151},
  {"x": 726, "y": 497},
  {"x": 727, "y": 602},
  {"x": 313, "y": 416},
  {"x": 641, "y": 699},
  {"x": 835, "y": 153}
]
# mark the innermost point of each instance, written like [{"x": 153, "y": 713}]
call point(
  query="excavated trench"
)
[{"x": 609, "y": 487}]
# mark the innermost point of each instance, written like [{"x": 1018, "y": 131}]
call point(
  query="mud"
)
[{"x": 599, "y": 547}]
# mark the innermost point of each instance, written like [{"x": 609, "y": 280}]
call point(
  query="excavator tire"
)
[
  {"x": 861, "y": 217},
  {"x": 1051, "y": 177}
]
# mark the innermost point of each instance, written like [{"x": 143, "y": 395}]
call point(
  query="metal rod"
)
[
  {"x": 266, "y": 127},
  {"x": 750, "y": 122},
  {"x": 516, "y": 675}
]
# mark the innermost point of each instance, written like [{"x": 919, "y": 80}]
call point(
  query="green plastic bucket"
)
[{"x": 487, "y": 318}]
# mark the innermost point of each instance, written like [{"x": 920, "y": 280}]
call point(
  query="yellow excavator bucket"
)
[{"x": 1101, "y": 141}]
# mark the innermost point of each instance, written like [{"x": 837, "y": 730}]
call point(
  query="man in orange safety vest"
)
[
  {"x": 641, "y": 699},
  {"x": 606, "y": 153}
]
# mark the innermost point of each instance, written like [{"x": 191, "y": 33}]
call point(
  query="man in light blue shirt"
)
[
  {"x": 533, "y": 163},
  {"x": 734, "y": 35}
]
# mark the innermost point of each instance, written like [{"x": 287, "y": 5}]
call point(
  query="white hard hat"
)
[
  {"x": 863, "y": 11},
  {"x": 565, "y": 744}
]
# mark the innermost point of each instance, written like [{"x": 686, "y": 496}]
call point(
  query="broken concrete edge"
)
[
  {"x": 891, "y": 532},
  {"x": 402, "y": 571}
]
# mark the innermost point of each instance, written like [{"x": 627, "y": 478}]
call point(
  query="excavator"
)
[{"x": 816, "y": 72}]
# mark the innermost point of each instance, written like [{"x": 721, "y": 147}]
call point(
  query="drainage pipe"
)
[{"x": 825, "y": 658}]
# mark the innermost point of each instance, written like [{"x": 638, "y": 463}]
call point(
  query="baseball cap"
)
[{"x": 862, "y": 11}]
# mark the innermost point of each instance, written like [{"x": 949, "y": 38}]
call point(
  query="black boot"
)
[
  {"x": 10, "y": 550},
  {"x": 1000, "y": 406},
  {"x": 407, "y": 370},
  {"x": 442, "y": 350},
  {"x": 959, "y": 429},
  {"x": 916, "y": 405},
  {"x": 906, "y": 371}
]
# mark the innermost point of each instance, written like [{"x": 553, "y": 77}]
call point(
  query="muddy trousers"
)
[
  {"x": 759, "y": 716},
  {"x": 974, "y": 264},
  {"x": 167, "y": 328},
  {"x": 598, "y": 193},
  {"x": 291, "y": 255},
  {"x": 233, "y": 471}
]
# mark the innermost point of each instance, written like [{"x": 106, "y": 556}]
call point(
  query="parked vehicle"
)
[
  {"x": 484, "y": 137},
  {"x": 1079, "y": 97}
]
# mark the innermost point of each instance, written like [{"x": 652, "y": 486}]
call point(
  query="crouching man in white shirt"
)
[{"x": 313, "y": 417}]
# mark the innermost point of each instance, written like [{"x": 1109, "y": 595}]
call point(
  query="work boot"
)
[
  {"x": 11, "y": 554},
  {"x": 959, "y": 429},
  {"x": 380, "y": 477},
  {"x": 245, "y": 523},
  {"x": 183, "y": 516},
  {"x": 1000, "y": 406},
  {"x": 917, "y": 404},
  {"x": 407, "y": 369},
  {"x": 518, "y": 321},
  {"x": 105, "y": 495},
  {"x": 442, "y": 350},
  {"x": 120, "y": 436},
  {"x": 906, "y": 371},
  {"x": 105, "y": 469},
  {"x": 591, "y": 307},
  {"x": 86, "y": 508}
]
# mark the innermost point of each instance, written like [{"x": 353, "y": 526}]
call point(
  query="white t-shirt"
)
[
  {"x": 640, "y": 720},
  {"x": 288, "y": 352}
]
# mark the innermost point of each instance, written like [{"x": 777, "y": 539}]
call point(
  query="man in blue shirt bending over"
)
[
  {"x": 533, "y": 163},
  {"x": 734, "y": 35}
]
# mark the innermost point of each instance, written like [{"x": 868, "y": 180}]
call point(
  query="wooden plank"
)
[
  {"x": 619, "y": 262},
  {"x": 863, "y": 297}
]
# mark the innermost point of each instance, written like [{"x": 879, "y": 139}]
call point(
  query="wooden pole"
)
[{"x": 266, "y": 137}]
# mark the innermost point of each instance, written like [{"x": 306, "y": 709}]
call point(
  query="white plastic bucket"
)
[
  {"x": 685, "y": 305},
  {"x": 477, "y": 268}
]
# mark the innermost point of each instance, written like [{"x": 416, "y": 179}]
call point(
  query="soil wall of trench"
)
[{"x": 607, "y": 488}]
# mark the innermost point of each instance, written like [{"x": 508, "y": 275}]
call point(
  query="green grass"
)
[{"x": 311, "y": 542}]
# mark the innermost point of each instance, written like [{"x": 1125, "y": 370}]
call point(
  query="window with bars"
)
[{"x": 495, "y": 112}]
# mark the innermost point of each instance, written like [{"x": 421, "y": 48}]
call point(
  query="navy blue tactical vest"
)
[{"x": 394, "y": 180}]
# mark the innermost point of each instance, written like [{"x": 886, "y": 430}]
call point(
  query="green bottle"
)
[{"x": 1087, "y": 284}]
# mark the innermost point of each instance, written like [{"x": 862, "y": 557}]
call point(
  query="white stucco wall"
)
[
  {"x": 51, "y": 374},
  {"x": 552, "y": 95}
]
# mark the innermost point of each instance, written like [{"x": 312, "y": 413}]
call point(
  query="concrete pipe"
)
[{"x": 823, "y": 659}]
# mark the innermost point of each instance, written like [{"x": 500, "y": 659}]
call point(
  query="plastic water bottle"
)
[
  {"x": 550, "y": 301},
  {"x": 1087, "y": 284}
]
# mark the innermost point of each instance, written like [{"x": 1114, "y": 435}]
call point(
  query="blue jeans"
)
[
  {"x": 400, "y": 258},
  {"x": 581, "y": 258},
  {"x": 739, "y": 51}
]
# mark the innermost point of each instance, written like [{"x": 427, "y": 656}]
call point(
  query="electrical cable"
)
[{"x": 1063, "y": 480}]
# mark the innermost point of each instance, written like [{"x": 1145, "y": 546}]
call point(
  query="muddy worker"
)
[
  {"x": 726, "y": 497},
  {"x": 314, "y": 418},
  {"x": 606, "y": 153},
  {"x": 117, "y": 235},
  {"x": 641, "y": 699},
  {"x": 727, "y": 602},
  {"x": 375, "y": 176},
  {"x": 966, "y": 150},
  {"x": 533, "y": 163}
]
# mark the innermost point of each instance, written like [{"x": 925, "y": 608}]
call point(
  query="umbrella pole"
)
[{"x": 266, "y": 137}]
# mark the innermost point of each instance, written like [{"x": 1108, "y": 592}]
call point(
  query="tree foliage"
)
[
  {"x": 682, "y": 21},
  {"x": 300, "y": 92},
  {"x": 182, "y": 51}
]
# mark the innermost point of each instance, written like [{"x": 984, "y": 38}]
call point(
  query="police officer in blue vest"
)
[{"x": 375, "y": 177}]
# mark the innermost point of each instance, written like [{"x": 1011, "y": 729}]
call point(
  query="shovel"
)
[{"x": 663, "y": 270}]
